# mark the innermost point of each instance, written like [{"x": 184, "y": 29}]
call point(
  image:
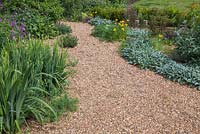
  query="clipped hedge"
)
[
  {"x": 168, "y": 16},
  {"x": 109, "y": 12},
  {"x": 137, "y": 50},
  {"x": 172, "y": 15}
]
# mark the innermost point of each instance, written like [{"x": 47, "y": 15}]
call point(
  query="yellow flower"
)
[
  {"x": 126, "y": 25},
  {"x": 160, "y": 36},
  {"x": 122, "y": 29},
  {"x": 95, "y": 12},
  {"x": 122, "y": 25},
  {"x": 114, "y": 29},
  {"x": 116, "y": 19},
  {"x": 127, "y": 20}
]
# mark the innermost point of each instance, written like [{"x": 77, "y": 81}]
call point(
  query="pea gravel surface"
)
[{"x": 118, "y": 98}]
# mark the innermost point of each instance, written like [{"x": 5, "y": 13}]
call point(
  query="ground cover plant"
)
[{"x": 137, "y": 50}]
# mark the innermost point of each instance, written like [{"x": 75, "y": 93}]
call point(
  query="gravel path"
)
[{"x": 118, "y": 98}]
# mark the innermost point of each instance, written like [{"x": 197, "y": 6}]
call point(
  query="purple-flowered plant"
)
[
  {"x": 13, "y": 29},
  {"x": 13, "y": 23}
]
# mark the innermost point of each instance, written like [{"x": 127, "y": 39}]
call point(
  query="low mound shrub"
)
[
  {"x": 68, "y": 41},
  {"x": 188, "y": 44},
  {"x": 51, "y": 9},
  {"x": 63, "y": 29},
  {"x": 108, "y": 30}
]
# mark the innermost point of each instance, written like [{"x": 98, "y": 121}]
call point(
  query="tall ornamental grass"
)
[{"x": 32, "y": 75}]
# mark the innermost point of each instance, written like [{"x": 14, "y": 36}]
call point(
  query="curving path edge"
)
[{"x": 118, "y": 98}]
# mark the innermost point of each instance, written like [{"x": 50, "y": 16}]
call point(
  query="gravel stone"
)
[{"x": 118, "y": 98}]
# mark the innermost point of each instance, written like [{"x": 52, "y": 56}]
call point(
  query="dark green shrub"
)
[
  {"x": 188, "y": 44},
  {"x": 38, "y": 17},
  {"x": 63, "y": 29},
  {"x": 10, "y": 30},
  {"x": 170, "y": 16},
  {"x": 68, "y": 41},
  {"x": 49, "y": 8},
  {"x": 75, "y": 8},
  {"x": 37, "y": 25},
  {"x": 5, "y": 32}
]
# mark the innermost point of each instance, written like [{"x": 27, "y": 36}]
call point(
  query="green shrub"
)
[
  {"x": 111, "y": 32},
  {"x": 108, "y": 12},
  {"x": 193, "y": 16},
  {"x": 75, "y": 8},
  {"x": 5, "y": 32},
  {"x": 39, "y": 17},
  {"x": 137, "y": 50},
  {"x": 10, "y": 30},
  {"x": 37, "y": 25},
  {"x": 63, "y": 29},
  {"x": 32, "y": 75},
  {"x": 170, "y": 16},
  {"x": 50, "y": 8},
  {"x": 188, "y": 44},
  {"x": 68, "y": 41}
]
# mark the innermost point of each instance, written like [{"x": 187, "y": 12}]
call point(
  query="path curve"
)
[{"x": 118, "y": 98}]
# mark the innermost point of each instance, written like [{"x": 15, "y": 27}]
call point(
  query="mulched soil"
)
[{"x": 118, "y": 98}]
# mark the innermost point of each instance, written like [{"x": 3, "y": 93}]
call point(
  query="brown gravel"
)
[{"x": 118, "y": 98}]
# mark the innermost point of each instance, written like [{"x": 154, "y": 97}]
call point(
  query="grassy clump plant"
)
[{"x": 32, "y": 75}]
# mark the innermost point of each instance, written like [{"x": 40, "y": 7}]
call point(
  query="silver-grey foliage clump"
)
[
  {"x": 99, "y": 21},
  {"x": 137, "y": 50}
]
